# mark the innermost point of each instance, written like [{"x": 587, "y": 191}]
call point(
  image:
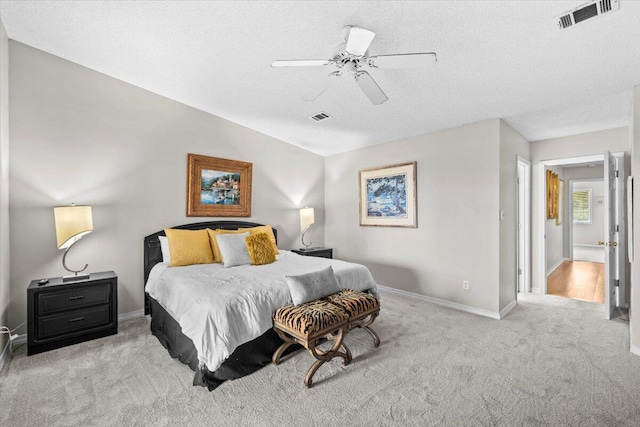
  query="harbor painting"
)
[
  {"x": 218, "y": 187},
  {"x": 388, "y": 196}
]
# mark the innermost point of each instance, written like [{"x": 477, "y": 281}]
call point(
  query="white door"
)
[
  {"x": 621, "y": 248},
  {"x": 609, "y": 235},
  {"x": 523, "y": 269},
  {"x": 521, "y": 227}
]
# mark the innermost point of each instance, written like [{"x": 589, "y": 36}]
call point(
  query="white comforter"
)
[{"x": 221, "y": 308}]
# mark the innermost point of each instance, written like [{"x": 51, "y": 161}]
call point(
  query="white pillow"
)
[
  {"x": 309, "y": 286},
  {"x": 164, "y": 247},
  {"x": 233, "y": 249}
]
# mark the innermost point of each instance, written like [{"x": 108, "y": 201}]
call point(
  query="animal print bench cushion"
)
[
  {"x": 353, "y": 302},
  {"x": 310, "y": 317}
]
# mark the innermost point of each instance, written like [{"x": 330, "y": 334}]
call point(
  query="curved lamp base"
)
[
  {"x": 75, "y": 275},
  {"x": 306, "y": 247}
]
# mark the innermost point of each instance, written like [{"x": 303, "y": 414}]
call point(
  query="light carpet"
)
[{"x": 551, "y": 361}]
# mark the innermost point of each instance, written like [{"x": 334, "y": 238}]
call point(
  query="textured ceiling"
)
[{"x": 495, "y": 59}]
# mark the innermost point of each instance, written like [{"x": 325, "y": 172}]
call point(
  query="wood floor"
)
[{"x": 578, "y": 280}]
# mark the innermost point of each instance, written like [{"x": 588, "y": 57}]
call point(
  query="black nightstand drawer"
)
[
  {"x": 63, "y": 313},
  {"x": 80, "y": 297},
  {"x": 77, "y": 320}
]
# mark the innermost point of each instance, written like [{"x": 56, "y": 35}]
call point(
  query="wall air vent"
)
[
  {"x": 320, "y": 117},
  {"x": 586, "y": 11}
]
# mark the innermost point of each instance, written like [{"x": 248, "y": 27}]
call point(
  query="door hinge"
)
[
  {"x": 519, "y": 271},
  {"x": 617, "y": 282},
  {"x": 617, "y": 228},
  {"x": 518, "y": 180},
  {"x": 616, "y": 174}
]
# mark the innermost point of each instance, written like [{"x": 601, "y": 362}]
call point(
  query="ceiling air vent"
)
[
  {"x": 320, "y": 117},
  {"x": 586, "y": 11}
]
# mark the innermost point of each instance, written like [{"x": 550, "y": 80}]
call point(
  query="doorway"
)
[{"x": 614, "y": 235}]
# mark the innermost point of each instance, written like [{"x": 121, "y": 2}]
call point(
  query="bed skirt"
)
[{"x": 245, "y": 360}]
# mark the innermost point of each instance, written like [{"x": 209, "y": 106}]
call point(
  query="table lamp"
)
[
  {"x": 72, "y": 223},
  {"x": 306, "y": 221}
]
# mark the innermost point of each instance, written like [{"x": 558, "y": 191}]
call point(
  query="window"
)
[{"x": 582, "y": 205}]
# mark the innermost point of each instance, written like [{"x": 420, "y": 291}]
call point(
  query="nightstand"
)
[
  {"x": 317, "y": 252},
  {"x": 61, "y": 314}
]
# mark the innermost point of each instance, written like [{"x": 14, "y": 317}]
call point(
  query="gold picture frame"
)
[
  {"x": 388, "y": 196},
  {"x": 552, "y": 194},
  {"x": 218, "y": 187}
]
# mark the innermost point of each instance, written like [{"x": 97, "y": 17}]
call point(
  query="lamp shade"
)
[
  {"x": 306, "y": 218},
  {"x": 72, "y": 222}
]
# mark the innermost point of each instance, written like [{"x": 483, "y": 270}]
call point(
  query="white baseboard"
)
[
  {"x": 536, "y": 290},
  {"x": 20, "y": 340},
  {"x": 4, "y": 355},
  {"x": 508, "y": 309},
  {"x": 556, "y": 265},
  {"x": 635, "y": 350},
  {"x": 443, "y": 303},
  {"x": 131, "y": 315}
]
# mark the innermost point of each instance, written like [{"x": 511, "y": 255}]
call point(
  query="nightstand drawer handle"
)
[
  {"x": 76, "y": 298},
  {"x": 77, "y": 319}
]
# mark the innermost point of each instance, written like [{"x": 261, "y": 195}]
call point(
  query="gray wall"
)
[
  {"x": 458, "y": 182},
  {"x": 81, "y": 136},
  {"x": 4, "y": 182},
  {"x": 576, "y": 173},
  {"x": 512, "y": 144},
  {"x": 593, "y": 232}
]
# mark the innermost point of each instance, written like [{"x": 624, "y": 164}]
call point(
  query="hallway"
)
[{"x": 578, "y": 280}]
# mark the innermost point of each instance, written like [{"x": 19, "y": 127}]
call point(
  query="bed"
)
[{"x": 208, "y": 316}]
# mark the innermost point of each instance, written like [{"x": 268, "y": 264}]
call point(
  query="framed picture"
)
[
  {"x": 560, "y": 203},
  {"x": 388, "y": 196},
  {"x": 218, "y": 187},
  {"x": 552, "y": 194}
]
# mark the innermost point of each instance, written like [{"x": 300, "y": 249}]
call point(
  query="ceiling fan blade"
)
[
  {"x": 322, "y": 87},
  {"x": 302, "y": 63},
  {"x": 359, "y": 40},
  {"x": 370, "y": 88},
  {"x": 403, "y": 60}
]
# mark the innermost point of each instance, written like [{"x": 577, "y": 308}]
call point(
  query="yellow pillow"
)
[
  {"x": 188, "y": 247},
  {"x": 263, "y": 229},
  {"x": 260, "y": 249},
  {"x": 217, "y": 256}
]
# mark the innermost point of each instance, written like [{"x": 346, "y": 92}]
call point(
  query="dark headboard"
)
[{"x": 153, "y": 254}]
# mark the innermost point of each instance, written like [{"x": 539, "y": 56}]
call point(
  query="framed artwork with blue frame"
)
[{"x": 388, "y": 196}]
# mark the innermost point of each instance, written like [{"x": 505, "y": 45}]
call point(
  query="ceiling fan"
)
[{"x": 352, "y": 57}]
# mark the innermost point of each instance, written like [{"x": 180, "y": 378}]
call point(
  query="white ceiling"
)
[{"x": 495, "y": 59}]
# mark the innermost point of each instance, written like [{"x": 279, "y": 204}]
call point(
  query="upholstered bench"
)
[
  {"x": 332, "y": 318},
  {"x": 362, "y": 309}
]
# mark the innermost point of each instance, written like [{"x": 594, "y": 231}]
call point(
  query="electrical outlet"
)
[{"x": 465, "y": 285}]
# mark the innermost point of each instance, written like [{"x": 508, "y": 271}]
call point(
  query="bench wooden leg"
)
[
  {"x": 288, "y": 342},
  {"x": 367, "y": 327},
  {"x": 325, "y": 356}
]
